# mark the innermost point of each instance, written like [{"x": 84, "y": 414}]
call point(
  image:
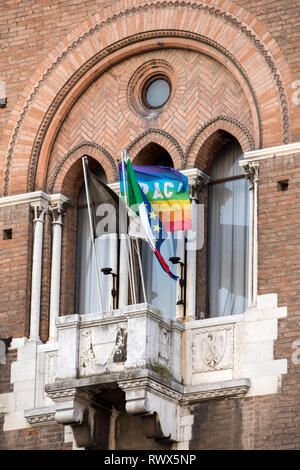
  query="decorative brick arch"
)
[
  {"x": 56, "y": 180},
  {"x": 197, "y": 153},
  {"x": 162, "y": 138},
  {"x": 102, "y": 39}
]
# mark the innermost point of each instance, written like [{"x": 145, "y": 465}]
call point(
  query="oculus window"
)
[{"x": 156, "y": 92}]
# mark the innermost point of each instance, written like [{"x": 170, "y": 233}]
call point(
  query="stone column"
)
[
  {"x": 197, "y": 181},
  {"x": 57, "y": 209},
  {"x": 39, "y": 213},
  {"x": 123, "y": 272},
  {"x": 251, "y": 173}
]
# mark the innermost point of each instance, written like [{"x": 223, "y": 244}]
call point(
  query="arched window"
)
[
  {"x": 228, "y": 233},
  {"x": 161, "y": 290},
  {"x": 87, "y": 298}
]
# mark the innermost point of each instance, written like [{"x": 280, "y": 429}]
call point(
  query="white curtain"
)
[
  {"x": 160, "y": 288},
  {"x": 228, "y": 235},
  {"x": 87, "y": 296}
]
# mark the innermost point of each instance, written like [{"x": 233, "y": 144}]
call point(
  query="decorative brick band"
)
[
  {"x": 244, "y": 131},
  {"x": 81, "y": 146},
  {"x": 159, "y": 132}
]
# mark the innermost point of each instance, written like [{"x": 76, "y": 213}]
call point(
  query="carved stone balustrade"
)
[{"x": 234, "y": 354}]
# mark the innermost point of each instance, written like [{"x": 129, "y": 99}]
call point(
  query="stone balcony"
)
[
  {"x": 129, "y": 357},
  {"x": 137, "y": 362}
]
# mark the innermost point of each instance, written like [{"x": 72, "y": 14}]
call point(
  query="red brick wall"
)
[
  {"x": 271, "y": 421},
  {"x": 217, "y": 425},
  {"x": 36, "y": 27},
  {"x": 29, "y": 32},
  {"x": 47, "y": 437},
  {"x": 99, "y": 117},
  {"x": 15, "y": 270}
]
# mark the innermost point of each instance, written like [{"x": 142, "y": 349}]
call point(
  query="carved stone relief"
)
[
  {"x": 164, "y": 346},
  {"x": 102, "y": 350},
  {"x": 120, "y": 354},
  {"x": 50, "y": 366},
  {"x": 212, "y": 349}
]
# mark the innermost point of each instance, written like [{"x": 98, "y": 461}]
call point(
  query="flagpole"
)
[
  {"x": 137, "y": 244},
  {"x": 133, "y": 292},
  {"x": 141, "y": 271},
  {"x": 84, "y": 162},
  {"x": 129, "y": 266},
  {"x": 126, "y": 235}
]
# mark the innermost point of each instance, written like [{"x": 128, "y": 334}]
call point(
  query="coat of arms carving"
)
[{"x": 213, "y": 349}]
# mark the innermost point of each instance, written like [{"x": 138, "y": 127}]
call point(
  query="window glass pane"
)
[
  {"x": 228, "y": 247},
  {"x": 158, "y": 93},
  {"x": 160, "y": 288}
]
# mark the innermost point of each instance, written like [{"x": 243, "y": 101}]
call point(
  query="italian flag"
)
[{"x": 138, "y": 202}]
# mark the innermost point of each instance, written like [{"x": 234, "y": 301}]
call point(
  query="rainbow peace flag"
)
[{"x": 167, "y": 190}]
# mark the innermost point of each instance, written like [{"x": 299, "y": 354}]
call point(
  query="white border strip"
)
[
  {"x": 270, "y": 152},
  {"x": 35, "y": 197}
]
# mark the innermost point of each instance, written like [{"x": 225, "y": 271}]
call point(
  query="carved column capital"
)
[
  {"x": 57, "y": 214},
  {"x": 57, "y": 207},
  {"x": 39, "y": 209},
  {"x": 197, "y": 181},
  {"x": 251, "y": 171}
]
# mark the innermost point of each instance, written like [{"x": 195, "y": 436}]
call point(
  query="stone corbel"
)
[
  {"x": 156, "y": 404},
  {"x": 89, "y": 421}
]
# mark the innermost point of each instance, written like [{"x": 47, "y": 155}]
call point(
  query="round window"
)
[{"x": 156, "y": 92}]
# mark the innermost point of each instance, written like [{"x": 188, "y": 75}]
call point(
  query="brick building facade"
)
[{"x": 72, "y": 80}]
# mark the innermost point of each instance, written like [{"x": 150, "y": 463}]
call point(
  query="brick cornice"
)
[{"x": 218, "y": 12}]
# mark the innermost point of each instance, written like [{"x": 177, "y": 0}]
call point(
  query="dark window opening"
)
[
  {"x": 153, "y": 154},
  {"x": 282, "y": 185},
  {"x": 7, "y": 234}
]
